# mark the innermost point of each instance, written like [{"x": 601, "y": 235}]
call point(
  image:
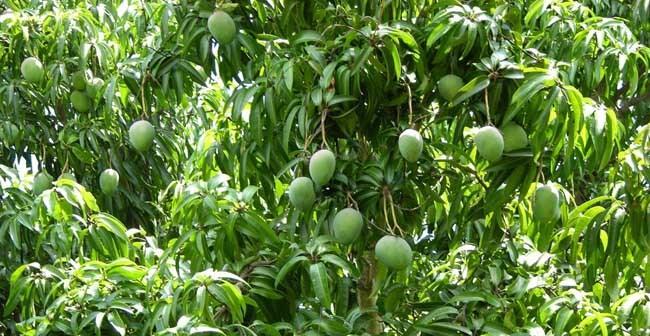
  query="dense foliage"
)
[{"x": 498, "y": 151}]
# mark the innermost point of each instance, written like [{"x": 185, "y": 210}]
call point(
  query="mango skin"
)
[
  {"x": 80, "y": 101},
  {"x": 347, "y": 225},
  {"x": 321, "y": 166},
  {"x": 109, "y": 179},
  {"x": 514, "y": 137},
  {"x": 449, "y": 85},
  {"x": 546, "y": 203},
  {"x": 222, "y": 27},
  {"x": 42, "y": 182},
  {"x": 141, "y": 134},
  {"x": 489, "y": 143},
  {"x": 394, "y": 252},
  {"x": 32, "y": 70},
  {"x": 410, "y": 145},
  {"x": 302, "y": 194},
  {"x": 78, "y": 80}
]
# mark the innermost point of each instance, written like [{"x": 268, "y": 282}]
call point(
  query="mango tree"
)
[{"x": 325, "y": 167}]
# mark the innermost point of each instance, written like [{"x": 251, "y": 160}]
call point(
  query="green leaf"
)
[
  {"x": 307, "y": 36},
  {"x": 287, "y": 267},
  {"x": 533, "y": 83},
  {"x": 361, "y": 60},
  {"x": 340, "y": 99},
  {"x": 475, "y": 86},
  {"x": 115, "y": 320},
  {"x": 320, "y": 283},
  {"x": 395, "y": 58},
  {"x": 287, "y": 71},
  {"x": 624, "y": 306},
  {"x": 340, "y": 262},
  {"x": 575, "y": 121},
  {"x": 476, "y": 296}
]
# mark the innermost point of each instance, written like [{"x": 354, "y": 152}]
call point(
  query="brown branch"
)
[{"x": 366, "y": 296}]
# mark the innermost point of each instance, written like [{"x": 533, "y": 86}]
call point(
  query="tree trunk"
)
[{"x": 366, "y": 295}]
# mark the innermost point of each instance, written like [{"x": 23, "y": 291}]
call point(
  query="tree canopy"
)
[{"x": 325, "y": 167}]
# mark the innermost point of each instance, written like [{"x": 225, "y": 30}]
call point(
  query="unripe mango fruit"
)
[
  {"x": 347, "y": 225},
  {"x": 321, "y": 166},
  {"x": 301, "y": 193},
  {"x": 78, "y": 80},
  {"x": 546, "y": 203},
  {"x": 42, "y": 182},
  {"x": 80, "y": 101},
  {"x": 141, "y": 135},
  {"x": 514, "y": 137},
  {"x": 410, "y": 145},
  {"x": 394, "y": 252},
  {"x": 449, "y": 85},
  {"x": 222, "y": 27},
  {"x": 109, "y": 179},
  {"x": 489, "y": 143},
  {"x": 32, "y": 70}
]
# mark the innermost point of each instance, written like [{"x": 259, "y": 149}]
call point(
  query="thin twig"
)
[
  {"x": 378, "y": 228},
  {"x": 466, "y": 169},
  {"x": 386, "y": 217},
  {"x": 408, "y": 88},
  {"x": 65, "y": 165},
  {"x": 308, "y": 141},
  {"x": 392, "y": 208},
  {"x": 144, "y": 106},
  {"x": 322, "y": 128},
  {"x": 352, "y": 201},
  {"x": 487, "y": 106}
]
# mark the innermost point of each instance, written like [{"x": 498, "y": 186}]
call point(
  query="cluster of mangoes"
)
[
  {"x": 141, "y": 133},
  {"x": 490, "y": 142},
  {"x": 394, "y": 251},
  {"x": 347, "y": 224},
  {"x": 108, "y": 181},
  {"x": 83, "y": 89}
]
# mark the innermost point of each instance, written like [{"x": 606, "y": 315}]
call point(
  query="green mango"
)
[
  {"x": 222, "y": 27},
  {"x": 489, "y": 143},
  {"x": 109, "y": 180},
  {"x": 302, "y": 194},
  {"x": 80, "y": 101},
  {"x": 449, "y": 85},
  {"x": 347, "y": 225},
  {"x": 321, "y": 167},
  {"x": 394, "y": 252},
  {"x": 42, "y": 182},
  {"x": 546, "y": 203},
  {"x": 514, "y": 137},
  {"x": 410, "y": 145},
  {"x": 141, "y": 134},
  {"x": 32, "y": 70}
]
